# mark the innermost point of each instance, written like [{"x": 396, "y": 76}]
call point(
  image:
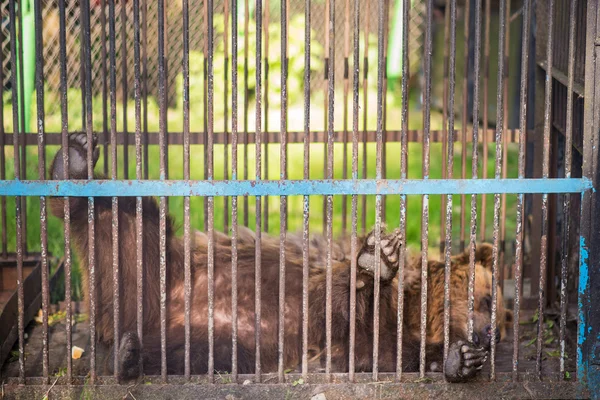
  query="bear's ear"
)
[
  {"x": 509, "y": 316},
  {"x": 484, "y": 254}
]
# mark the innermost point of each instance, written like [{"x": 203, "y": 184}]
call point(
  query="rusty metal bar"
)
[
  {"x": 386, "y": 19},
  {"x": 345, "y": 108},
  {"x": 103, "y": 71},
  {"x": 62, "y": 33},
  {"x": 39, "y": 88},
  {"x": 328, "y": 59},
  {"x": 114, "y": 172},
  {"x": 163, "y": 201},
  {"x": 545, "y": 174},
  {"x": 520, "y": 197},
  {"x": 3, "y": 140},
  {"x": 445, "y": 118},
  {"x": 124, "y": 78},
  {"x": 425, "y": 198},
  {"x": 354, "y": 211},
  {"x": 474, "y": 169},
  {"x": 139, "y": 224},
  {"x": 234, "y": 199},
  {"x": 246, "y": 101},
  {"x": 449, "y": 175},
  {"x": 187, "y": 240},
  {"x": 87, "y": 76},
  {"x": 306, "y": 199},
  {"x": 17, "y": 128},
  {"x": 258, "y": 171},
  {"x": 225, "y": 109},
  {"x": 505, "y": 150},
  {"x": 365, "y": 83},
  {"x": 379, "y": 175},
  {"x": 205, "y": 108},
  {"x": 265, "y": 226},
  {"x": 486, "y": 78},
  {"x": 145, "y": 88},
  {"x": 21, "y": 105},
  {"x": 465, "y": 119},
  {"x": 567, "y": 198},
  {"x": 406, "y": 4},
  {"x": 329, "y": 198},
  {"x": 497, "y": 175},
  {"x": 282, "y": 175},
  {"x": 211, "y": 201}
]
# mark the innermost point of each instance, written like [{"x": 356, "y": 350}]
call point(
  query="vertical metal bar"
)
[
  {"x": 406, "y": 4},
  {"x": 211, "y": 200},
  {"x": 104, "y": 73},
  {"x": 282, "y": 175},
  {"x": 114, "y": 171},
  {"x": 520, "y": 197},
  {"x": 474, "y": 169},
  {"x": 386, "y": 19},
  {"x": 327, "y": 25},
  {"x": 258, "y": 171},
  {"x": 246, "y": 101},
  {"x": 505, "y": 150},
  {"x": 139, "y": 224},
  {"x": 567, "y": 198},
  {"x": 379, "y": 168},
  {"x": 3, "y": 161},
  {"x": 329, "y": 219},
  {"x": 354, "y": 241},
  {"x": 445, "y": 119},
  {"x": 497, "y": 175},
  {"x": 465, "y": 120},
  {"x": 226, "y": 111},
  {"x": 17, "y": 131},
  {"x": 486, "y": 77},
  {"x": 425, "y": 198},
  {"x": 345, "y": 105},
  {"x": 265, "y": 226},
  {"x": 449, "y": 175},
  {"x": 306, "y": 208},
  {"x": 125, "y": 92},
  {"x": 87, "y": 76},
  {"x": 163, "y": 201},
  {"x": 545, "y": 174},
  {"x": 23, "y": 137},
  {"x": 187, "y": 241},
  {"x": 145, "y": 87},
  {"x": 365, "y": 83},
  {"x": 41, "y": 128},
  {"x": 67, "y": 207},
  {"x": 205, "y": 109},
  {"x": 234, "y": 199}
]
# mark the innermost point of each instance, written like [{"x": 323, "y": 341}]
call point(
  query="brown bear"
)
[{"x": 466, "y": 358}]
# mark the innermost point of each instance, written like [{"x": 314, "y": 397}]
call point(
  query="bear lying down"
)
[{"x": 466, "y": 356}]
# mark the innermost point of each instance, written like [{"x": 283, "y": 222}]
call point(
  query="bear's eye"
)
[{"x": 486, "y": 303}]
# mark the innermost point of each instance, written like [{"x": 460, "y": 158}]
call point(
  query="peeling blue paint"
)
[
  {"x": 109, "y": 188},
  {"x": 581, "y": 332}
]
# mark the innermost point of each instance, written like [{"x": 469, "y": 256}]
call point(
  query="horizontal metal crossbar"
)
[{"x": 110, "y": 188}]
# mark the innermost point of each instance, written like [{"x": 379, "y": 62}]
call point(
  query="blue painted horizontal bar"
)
[{"x": 109, "y": 188}]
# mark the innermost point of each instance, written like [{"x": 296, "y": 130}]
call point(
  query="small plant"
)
[{"x": 298, "y": 382}]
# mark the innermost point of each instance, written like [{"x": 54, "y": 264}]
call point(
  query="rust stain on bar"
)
[
  {"x": 567, "y": 198},
  {"x": 520, "y": 197},
  {"x": 246, "y": 100},
  {"x": 486, "y": 77},
  {"x": 225, "y": 109},
  {"x": 354, "y": 242},
  {"x": 124, "y": 90},
  {"x": 365, "y": 89},
  {"x": 403, "y": 174},
  {"x": 449, "y": 175},
  {"x": 39, "y": 87},
  {"x": 425, "y": 198},
  {"x": 306, "y": 207},
  {"x": 258, "y": 171},
  {"x": 145, "y": 87},
  {"x": 497, "y": 175},
  {"x": 234, "y": 199},
  {"x": 187, "y": 241},
  {"x": 329, "y": 198},
  {"x": 545, "y": 174},
  {"x": 139, "y": 224},
  {"x": 103, "y": 58}
]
